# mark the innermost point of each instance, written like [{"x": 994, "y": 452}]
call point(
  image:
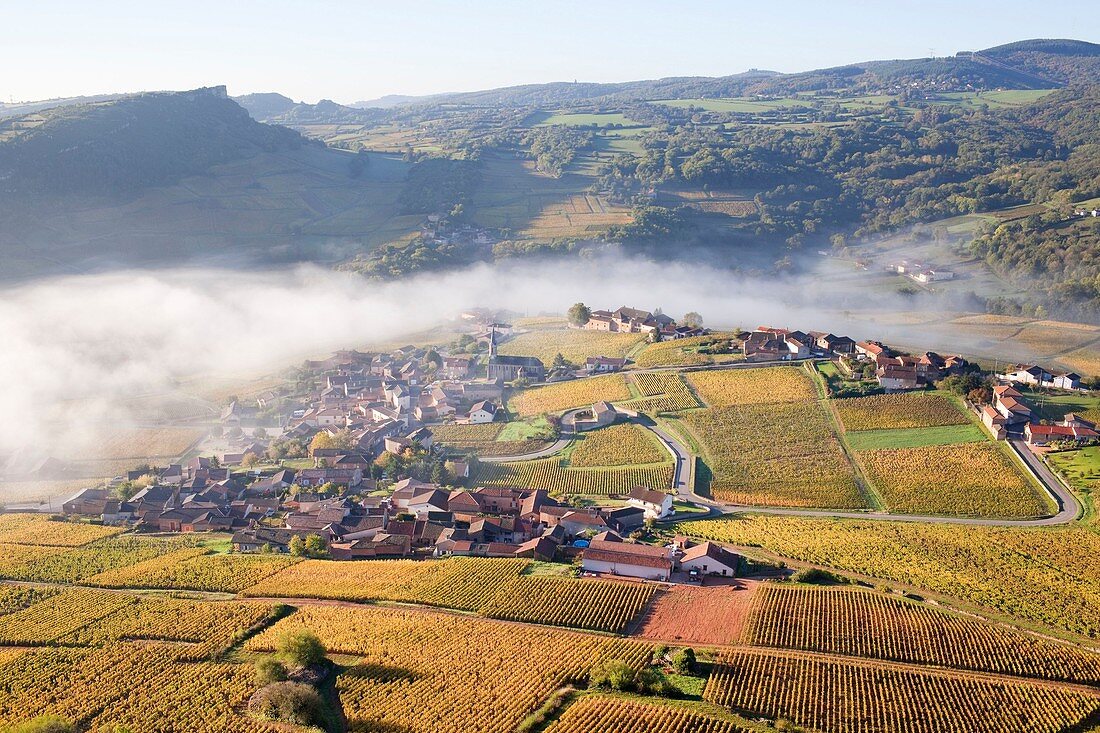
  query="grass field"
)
[
  {"x": 574, "y": 344},
  {"x": 571, "y": 119},
  {"x": 550, "y": 475},
  {"x": 914, "y": 437},
  {"x": 1080, "y": 467},
  {"x": 686, "y": 352}
]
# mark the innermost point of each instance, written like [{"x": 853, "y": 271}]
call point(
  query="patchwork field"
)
[
  {"x": 782, "y": 454},
  {"x": 71, "y": 565},
  {"x": 568, "y": 395},
  {"x": 1040, "y": 575},
  {"x": 31, "y": 529},
  {"x": 194, "y": 569},
  {"x": 416, "y": 670},
  {"x": 625, "y": 444},
  {"x": 574, "y": 344},
  {"x": 752, "y": 386},
  {"x": 971, "y": 479},
  {"x": 484, "y": 439},
  {"x": 583, "y": 604},
  {"x": 663, "y": 392}
]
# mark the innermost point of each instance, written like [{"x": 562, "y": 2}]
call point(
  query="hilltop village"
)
[{"x": 355, "y": 469}]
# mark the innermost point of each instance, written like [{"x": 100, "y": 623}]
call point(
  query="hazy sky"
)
[{"x": 350, "y": 51}]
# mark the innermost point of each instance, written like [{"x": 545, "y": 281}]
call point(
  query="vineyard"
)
[
  {"x": 840, "y": 696},
  {"x": 32, "y": 529},
  {"x": 575, "y": 345},
  {"x": 463, "y": 583},
  {"x": 752, "y": 386},
  {"x": 59, "y": 616},
  {"x": 898, "y": 411},
  {"x": 1048, "y": 576},
  {"x": 969, "y": 479},
  {"x": 548, "y": 474},
  {"x": 17, "y": 597},
  {"x": 663, "y": 392},
  {"x": 424, "y": 672},
  {"x": 583, "y": 604},
  {"x": 482, "y": 439},
  {"x": 139, "y": 686},
  {"x": 685, "y": 352},
  {"x": 599, "y": 714},
  {"x": 616, "y": 445},
  {"x": 65, "y": 565},
  {"x": 568, "y": 395},
  {"x": 863, "y": 624},
  {"x": 781, "y": 454},
  {"x": 194, "y": 569}
]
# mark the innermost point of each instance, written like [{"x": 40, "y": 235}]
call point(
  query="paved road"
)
[{"x": 567, "y": 432}]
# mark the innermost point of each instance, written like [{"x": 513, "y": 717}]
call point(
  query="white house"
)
[
  {"x": 615, "y": 557},
  {"x": 710, "y": 559},
  {"x": 655, "y": 504},
  {"x": 482, "y": 412},
  {"x": 1070, "y": 380}
]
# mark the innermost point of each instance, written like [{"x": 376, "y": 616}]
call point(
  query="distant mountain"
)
[
  {"x": 390, "y": 101},
  {"x": 23, "y": 108},
  {"x": 1061, "y": 60},
  {"x": 277, "y": 109},
  {"x": 130, "y": 143}
]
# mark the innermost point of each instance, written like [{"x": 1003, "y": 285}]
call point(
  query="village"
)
[{"x": 354, "y": 470}]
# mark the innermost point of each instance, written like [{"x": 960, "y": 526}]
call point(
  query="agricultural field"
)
[
  {"x": 579, "y": 215},
  {"x": 752, "y": 386},
  {"x": 860, "y": 623},
  {"x": 59, "y": 615},
  {"x": 17, "y": 597},
  {"x": 575, "y": 344},
  {"x": 601, "y": 714},
  {"x": 576, "y": 119},
  {"x": 548, "y": 474},
  {"x": 782, "y": 454},
  {"x": 71, "y": 565},
  {"x": 599, "y": 605},
  {"x": 833, "y": 695},
  {"x": 485, "y": 439},
  {"x": 700, "y": 615},
  {"x": 418, "y": 671},
  {"x": 694, "y": 351},
  {"x": 464, "y": 583},
  {"x": 194, "y": 569},
  {"x": 970, "y": 479},
  {"x": 35, "y": 529},
  {"x": 897, "y": 411},
  {"x": 915, "y": 437},
  {"x": 568, "y": 395},
  {"x": 1039, "y": 575},
  {"x": 142, "y": 444},
  {"x": 625, "y": 444},
  {"x": 663, "y": 392}
]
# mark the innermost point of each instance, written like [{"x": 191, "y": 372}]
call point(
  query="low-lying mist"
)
[{"x": 79, "y": 349}]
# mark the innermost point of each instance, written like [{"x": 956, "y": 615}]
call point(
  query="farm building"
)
[
  {"x": 709, "y": 558},
  {"x": 603, "y": 364},
  {"x": 614, "y": 556},
  {"x": 1045, "y": 434},
  {"x": 655, "y": 504},
  {"x": 600, "y": 415}
]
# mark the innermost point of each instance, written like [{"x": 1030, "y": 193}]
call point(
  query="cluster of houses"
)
[
  {"x": 417, "y": 519},
  {"x": 634, "y": 320},
  {"x": 609, "y": 554},
  {"x": 1009, "y": 414},
  {"x": 897, "y": 372},
  {"x": 780, "y": 344},
  {"x": 922, "y": 273},
  {"x": 1036, "y": 376}
]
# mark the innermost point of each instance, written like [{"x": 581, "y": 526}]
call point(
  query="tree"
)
[
  {"x": 684, "y": 661},
  {"x": 315, "y": 546},
  {"x": 692, "y": 320},
  {"x": 297, "y": 546},
  {"x": 614, "y": 674},
  {"x": 269, "y": 670},
  {"x": 250, "y": 460},
  {"x": 259, "y": 433},
  {"x": 300, "y": 649},
  {"x": 578, "y": 314}
]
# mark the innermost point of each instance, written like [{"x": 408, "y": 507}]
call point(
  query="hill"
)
[
  {"x": 130, "y": 143},
  {"x": 276, "y": 109}
]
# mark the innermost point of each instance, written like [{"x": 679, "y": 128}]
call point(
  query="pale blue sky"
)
[{"x": 350, "y": 51}]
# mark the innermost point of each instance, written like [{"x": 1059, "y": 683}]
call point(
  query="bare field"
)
[{"x": 714, "y": 615}]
